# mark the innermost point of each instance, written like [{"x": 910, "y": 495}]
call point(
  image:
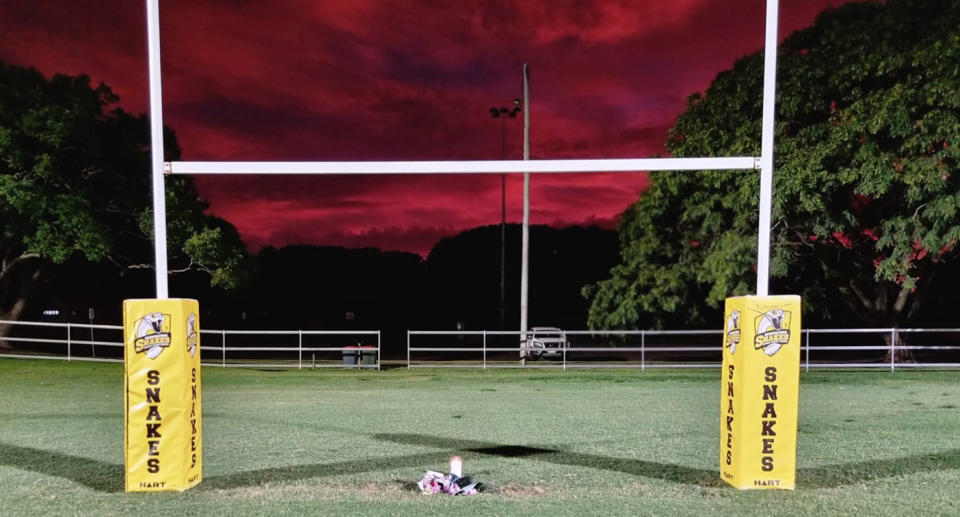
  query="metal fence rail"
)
[
  {"x": 659, "y": 349},
  {"x": 874, "y": 348},
  {"x": 247, "y": 348}
]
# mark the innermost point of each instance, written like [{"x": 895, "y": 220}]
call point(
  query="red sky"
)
[{"x": 402, "y": 80}]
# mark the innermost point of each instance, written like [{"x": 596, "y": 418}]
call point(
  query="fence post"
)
[
  {"x": 379, "y": 351},
  {"x": 524, "y": 351},
  {"x": 484, "y": 349},
  {"x": 643, "y": 350},
  {"x": 807, "y": 355},
  {"x": 68, "y": 342},
  {"x": 408, "y": 349},
  {"x": 223, "y": 347},
  {"x": 893, "y": 349},
  {"x": 564, "y": 335},
  {"x": 300, "y": 349}
]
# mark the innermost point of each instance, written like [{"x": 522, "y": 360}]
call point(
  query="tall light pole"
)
[
  {"x": 525, "y": 240},
  {"x": 503, "y": 113}
]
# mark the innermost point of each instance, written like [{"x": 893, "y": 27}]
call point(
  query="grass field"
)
[{"x": 542, "y": 442}]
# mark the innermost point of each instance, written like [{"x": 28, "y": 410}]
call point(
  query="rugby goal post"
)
[
  {"x": 764, "y": 162},
  {"x": 777, "y": 468}
]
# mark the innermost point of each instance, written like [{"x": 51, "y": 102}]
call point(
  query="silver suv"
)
[{"x": 546, "y": 343}]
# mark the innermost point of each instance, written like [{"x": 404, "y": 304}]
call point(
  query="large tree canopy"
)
[
  {"x": 866, "y": 197},
  {"x": 75, "y": 179}
]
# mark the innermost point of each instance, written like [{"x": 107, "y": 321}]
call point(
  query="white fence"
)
[
  {"x": 225, "y": 348},
  {"x": 821, "y": 348},
  {"x": 643, "y": 349}
]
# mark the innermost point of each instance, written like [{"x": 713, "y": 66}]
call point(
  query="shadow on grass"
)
[
  {"x": 298, "y": 472},
  {"x": 831, "y": 476},
  {"x": 98, "y": 475},
  {"x": 108, "y": 477},
  {"x": 676, "y": 473},
  {"x": 819, "y": 477},
  {"x": 650, "y": 469}
]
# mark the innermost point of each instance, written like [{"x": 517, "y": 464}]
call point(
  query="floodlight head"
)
[{"x": 495, "y": 112}]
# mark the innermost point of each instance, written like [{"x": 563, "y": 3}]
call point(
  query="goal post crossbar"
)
[
  {"x": 465, "y": 166},
  {"x": 764, "y": 164}
]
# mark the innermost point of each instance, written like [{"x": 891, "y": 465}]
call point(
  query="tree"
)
[
  {"x": 75, "y": 180},
  {"x": 866, "y": 184},
  {"x": 463, "y": 275}
]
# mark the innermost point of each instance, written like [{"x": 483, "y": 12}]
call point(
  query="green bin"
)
[{"x": 368, "y": 355}]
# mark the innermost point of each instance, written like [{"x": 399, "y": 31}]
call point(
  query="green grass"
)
[{"x": 543, "y": 443}]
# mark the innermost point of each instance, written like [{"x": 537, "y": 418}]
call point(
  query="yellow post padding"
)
[
  {"x": 162, "y": 427},
  {"x": 760, "y": 392}
]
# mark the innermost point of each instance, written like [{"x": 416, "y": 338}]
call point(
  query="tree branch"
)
[
  {"x": 861, "y": 296},
  {"x": 901, "y": 302},
  {"x": 861, "y": 313},
  {"x": 190, "y": 267},
  {"x": 928, "y": 280},
  {"x": 8, "y": 265}
]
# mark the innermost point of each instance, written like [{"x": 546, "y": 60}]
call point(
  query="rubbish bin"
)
[
  {"x": 351, "y": 355},
  {"x": 368, "y": 355}
]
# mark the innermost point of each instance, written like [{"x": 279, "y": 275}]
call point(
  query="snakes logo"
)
[
  {"x": 732, "y": 337},
  {"x": 192, "y": 335},
  {"x": 773, "y": 331},
  {"x": 152, "y": 334}
]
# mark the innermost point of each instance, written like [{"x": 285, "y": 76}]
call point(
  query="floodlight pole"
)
[
  {"x": 766, "y": 147},
  {"x": 525, "y": 260},
  {"x": 156, "y": 149},
  {"x": 503, "y": 114}
]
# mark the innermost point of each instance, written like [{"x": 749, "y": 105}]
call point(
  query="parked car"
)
[{"x": 546, "y": 343}]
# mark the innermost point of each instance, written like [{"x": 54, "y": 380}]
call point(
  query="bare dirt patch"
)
[{"x": 519, "y": 491}]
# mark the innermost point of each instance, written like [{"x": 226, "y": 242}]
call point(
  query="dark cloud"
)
[{"x": 405, "y": 80}]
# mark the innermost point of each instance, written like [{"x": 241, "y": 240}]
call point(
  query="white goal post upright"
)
[
  {"x": 156, "y": 149},
  {"x": 764, "y": 163},
  {"x": 766, "y": 147}
]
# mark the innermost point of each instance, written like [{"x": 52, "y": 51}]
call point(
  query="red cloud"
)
[{"x": 371, "y": 80}]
